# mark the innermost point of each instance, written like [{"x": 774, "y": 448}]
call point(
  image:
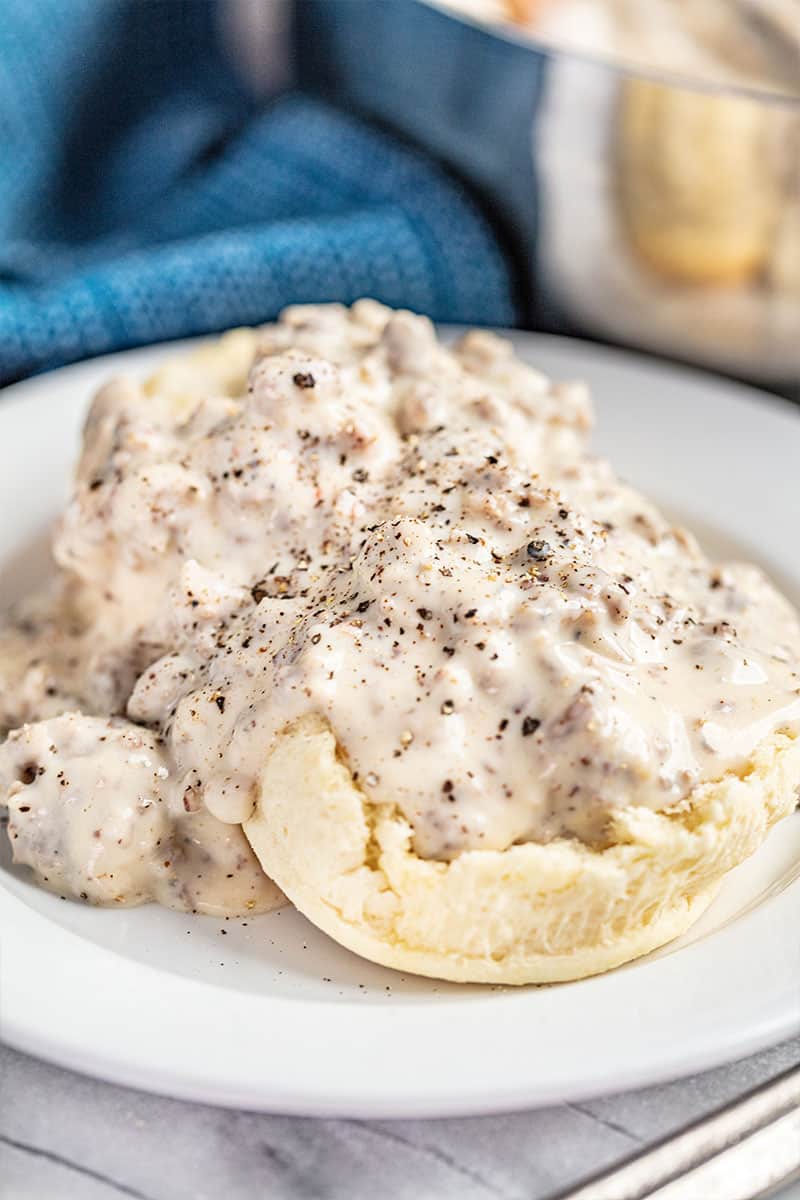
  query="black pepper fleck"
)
[{"x": 539, "y": 550}]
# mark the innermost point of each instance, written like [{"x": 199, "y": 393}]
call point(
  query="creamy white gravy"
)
[{"x": 508, "y": 642}]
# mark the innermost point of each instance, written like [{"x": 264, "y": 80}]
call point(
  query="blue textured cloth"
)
[{"x": 145, "y": 196}]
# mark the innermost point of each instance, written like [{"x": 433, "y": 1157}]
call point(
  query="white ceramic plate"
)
[{"x": 269, "y": 1013}]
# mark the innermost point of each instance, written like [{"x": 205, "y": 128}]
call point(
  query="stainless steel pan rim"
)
[{"x": 508, "y": 32}]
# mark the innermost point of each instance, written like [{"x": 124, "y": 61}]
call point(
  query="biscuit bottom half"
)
[{"x": 529, "y": 914}]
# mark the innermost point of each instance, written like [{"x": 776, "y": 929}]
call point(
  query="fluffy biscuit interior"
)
[{"x": 529, "y": 914}]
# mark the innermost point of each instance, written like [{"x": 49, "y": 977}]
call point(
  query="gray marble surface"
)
[{"x": 66, "y": 1137}]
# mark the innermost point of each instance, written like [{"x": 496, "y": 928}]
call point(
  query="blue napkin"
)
[{"x": 144, "y": 195}]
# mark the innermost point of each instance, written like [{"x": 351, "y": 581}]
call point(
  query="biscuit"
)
[
  {"x": 698, "y": 195},
  {"x": 219, "y": 366},
  {"x": 530, "y": 914}
]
